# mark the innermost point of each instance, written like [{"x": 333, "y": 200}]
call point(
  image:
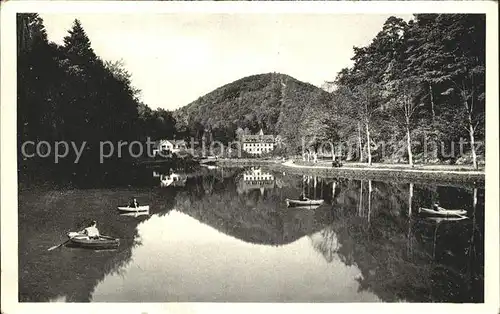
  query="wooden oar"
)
[{"x": 56, "y": 246}]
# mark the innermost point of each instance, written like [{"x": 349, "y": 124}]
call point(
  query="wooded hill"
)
[
  {"x": 277, "y": 103},
  {"x": 419, "y": 86}
]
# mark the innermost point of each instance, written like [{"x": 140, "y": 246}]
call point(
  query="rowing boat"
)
[
  {"x": 297, "y": 203},
  {"x": 133, "y": 209},
  {"x": 444, "y": 212},
  {"x": 102, "y": 243}
]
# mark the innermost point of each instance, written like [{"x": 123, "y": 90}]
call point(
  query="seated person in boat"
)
[
  {"x": 336, "y": 163},
  {"x": 436, "y": 206},
  {"x": 91, "y": 231},
  {"x": 134, "y": 203},
  {"x": 303, "y": 197}
]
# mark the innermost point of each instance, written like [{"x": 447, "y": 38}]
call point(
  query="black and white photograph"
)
[{"x": 233, "y": 157}]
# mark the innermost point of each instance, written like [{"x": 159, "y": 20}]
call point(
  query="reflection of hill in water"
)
[
  {"x": 366, "y": 226},
  {"x": 253, "y": 217},
  {"x": 71, "y": 274}
]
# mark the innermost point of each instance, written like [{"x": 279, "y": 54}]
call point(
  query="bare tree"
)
[{"x": 403, "y": 109}]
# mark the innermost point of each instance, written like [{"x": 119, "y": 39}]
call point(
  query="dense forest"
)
[
  {"x": 68, "y": 93},
  {"x": 411, "y": 95},
  {"x": 419, "y": 86},
  {"x": 419, "y": 79},
  {"x": 273, "y": 102}
]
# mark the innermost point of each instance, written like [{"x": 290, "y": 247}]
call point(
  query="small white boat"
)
[
  {"x": 133, "y": 209},
  {"x": 443, "y": 212},
  {"x": 305, "y": 203}
]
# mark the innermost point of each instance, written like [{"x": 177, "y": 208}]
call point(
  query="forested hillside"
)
[
  {"x": 416, "y": 93},
  {"x": 68, "y": 93},
  {"x": 275, "y": 102}
]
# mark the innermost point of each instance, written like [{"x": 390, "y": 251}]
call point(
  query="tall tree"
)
[
  {"x": 467, "y": 34},
  {"x": 404, "y": 109},
  {"x": 367, "y": 96},
  {"x": 77, "y": 44}
]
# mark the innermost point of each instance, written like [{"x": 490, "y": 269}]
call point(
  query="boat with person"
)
[
  {"x": 77, "y": 239},
  {"x": 442, "y": 212},
  {"x": 130, "y": 209},
  {"x": 303, "y": 203}
]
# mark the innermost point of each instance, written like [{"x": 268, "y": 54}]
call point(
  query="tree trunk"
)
[
  {"x": 408, "y": 142},
  {"x": 369, "y": 152},
  {"x": 472, "y": 143},
  {"x": 340, "y": 153},
  {"x": 360, "y": 144},
  {"x": 432, "y": 103}
]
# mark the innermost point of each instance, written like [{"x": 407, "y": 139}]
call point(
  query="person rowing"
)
[{"x": 91, "y": 231}]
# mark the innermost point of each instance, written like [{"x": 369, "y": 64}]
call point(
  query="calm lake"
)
[{"x": 226, "y": 235}]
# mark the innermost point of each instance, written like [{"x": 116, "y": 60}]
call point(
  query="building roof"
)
[
  {"x": 258, "y": 138},
  {"x": 173, "y": 142}
]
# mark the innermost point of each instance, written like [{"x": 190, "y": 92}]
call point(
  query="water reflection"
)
[
  {"x": 196, "y": 263},
  {"x": 224, "y": 237},
  {"x": 256, "y": 178},
  {"x": 170, "y": 178},
  {"x": 135, "y": 214}
]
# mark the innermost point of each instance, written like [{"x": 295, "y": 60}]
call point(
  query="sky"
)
[{"x": 174, "y": 58}]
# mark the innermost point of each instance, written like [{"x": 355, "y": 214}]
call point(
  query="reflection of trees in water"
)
[
  {"x": 253, "y": 217},
  {"x": 326, "y": 243},
  {"x": 394, "y": 260},
  {"x": 74, "y": 272},
  {"x": 208, "y": 184}
]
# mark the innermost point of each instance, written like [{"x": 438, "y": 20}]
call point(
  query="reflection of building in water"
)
[
  {"x": 171, "y": 179},
  {"x": 255, "y": 178}
]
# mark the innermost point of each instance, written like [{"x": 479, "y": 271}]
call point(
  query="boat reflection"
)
[
  {"x": 135, "y": 214},
  {"x": 212, "y": 241}
]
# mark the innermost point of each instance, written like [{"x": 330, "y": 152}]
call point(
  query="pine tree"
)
[{"x": 78, "y": 46}]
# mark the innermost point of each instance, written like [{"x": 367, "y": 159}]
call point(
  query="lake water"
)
[{"x": 226, "y": 235}]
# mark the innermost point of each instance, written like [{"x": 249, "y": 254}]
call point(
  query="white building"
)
[
  {"x": 259, "y": 143},
  {"x": 168, "y": 146}
]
